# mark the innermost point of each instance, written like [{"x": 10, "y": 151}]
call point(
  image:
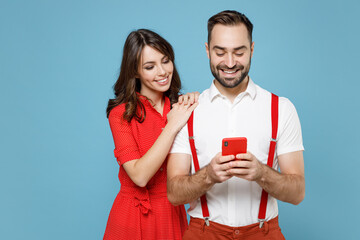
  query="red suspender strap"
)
[
  {"x": 204, "y": 206},
  {"x": 274, "y": 125}
]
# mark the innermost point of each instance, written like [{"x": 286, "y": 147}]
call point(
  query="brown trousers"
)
[{"x": 198, "y": 230}]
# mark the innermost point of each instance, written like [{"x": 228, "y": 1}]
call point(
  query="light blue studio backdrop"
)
[{"x": 59, "y": 60}]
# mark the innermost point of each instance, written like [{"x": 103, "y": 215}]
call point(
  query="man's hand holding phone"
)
[
  {"x": 217, "y": 170},
  {"x": 234, "y": 160},
  {"x": 245, "y": 165}
]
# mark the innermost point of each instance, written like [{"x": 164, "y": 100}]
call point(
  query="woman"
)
[{"x": 144, "y": 127}]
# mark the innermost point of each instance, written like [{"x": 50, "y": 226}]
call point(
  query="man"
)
[{"x": 234, "y": 106}]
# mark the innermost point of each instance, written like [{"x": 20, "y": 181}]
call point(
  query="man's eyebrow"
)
[
  {"x": 240, "y": 48},
  {"x": 218, "y": 47},
  {"x": 235, "y": 49}
]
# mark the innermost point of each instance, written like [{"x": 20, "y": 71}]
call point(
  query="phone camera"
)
[{"x": 226, "y": 144}]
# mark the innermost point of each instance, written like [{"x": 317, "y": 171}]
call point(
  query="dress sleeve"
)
[
  {"x": 126, "y": 148},
  {"x": 289, "y": 135}
]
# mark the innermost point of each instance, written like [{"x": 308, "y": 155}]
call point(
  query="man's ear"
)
[
  {"x": 252, "y": 48},
  {"x": 207, "y": 50}
]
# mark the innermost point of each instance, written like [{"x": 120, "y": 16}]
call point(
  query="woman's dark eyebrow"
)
[{"x": 153, "y": 62}]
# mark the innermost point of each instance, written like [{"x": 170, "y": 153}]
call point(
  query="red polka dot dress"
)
[{"x": 142, "y": 212}]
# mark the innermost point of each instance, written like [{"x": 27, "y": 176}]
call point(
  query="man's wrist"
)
[
  {"x": 209, "y": 182},
  {"x": 261, "y": 179}
]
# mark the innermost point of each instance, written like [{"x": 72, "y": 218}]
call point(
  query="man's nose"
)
[{"x": 230, "y": 61}]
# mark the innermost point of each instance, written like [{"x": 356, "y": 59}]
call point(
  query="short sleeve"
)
[
  {"x": 289, "y": 135},
  {"x": 126, "y": 148},
  {"x": 181, "y": 143}
]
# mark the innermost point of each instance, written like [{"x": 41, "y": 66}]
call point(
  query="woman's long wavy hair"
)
[{"x": 127, "y": 85}]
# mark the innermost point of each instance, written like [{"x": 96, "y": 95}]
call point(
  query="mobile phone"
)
[{"x": 233, "y": 146}]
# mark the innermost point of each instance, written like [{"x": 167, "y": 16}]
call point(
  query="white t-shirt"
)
[{"x": 236, "y": 201}]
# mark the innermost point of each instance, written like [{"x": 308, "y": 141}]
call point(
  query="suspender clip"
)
[
  {"x": 273, "y": 140},
  {"x": 207, "y": 221},
  {"x": 191, "y": 137},
  {"x": 261, "y": 223}
]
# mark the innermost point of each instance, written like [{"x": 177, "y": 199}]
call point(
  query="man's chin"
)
[{"x": 229, "y": 82}]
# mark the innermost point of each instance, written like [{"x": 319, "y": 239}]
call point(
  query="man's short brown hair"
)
[{"x": 229, "y": 18}]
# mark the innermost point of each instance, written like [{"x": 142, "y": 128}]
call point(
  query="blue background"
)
[{"x": 59, "y": 60}]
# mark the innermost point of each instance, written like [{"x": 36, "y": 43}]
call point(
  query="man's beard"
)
[{"x": 230, "y": 82}]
